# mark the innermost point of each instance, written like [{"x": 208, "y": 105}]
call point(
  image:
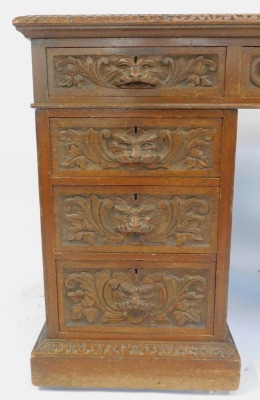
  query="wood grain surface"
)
[{"x": 136, "y": 134}]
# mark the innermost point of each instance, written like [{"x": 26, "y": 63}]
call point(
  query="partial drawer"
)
[
  {"x": 250, "y": 72},
  {"x": 136, "y": 146},
  {"x": 166, "y": 299},
  {"x": 136, "y": 218},
  {"x": 189, "y": 72}
]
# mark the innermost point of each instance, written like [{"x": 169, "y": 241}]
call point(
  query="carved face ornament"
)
[
  {"x": 135, "y": 218},
  {"x": 143, "y": 72},
  {"x": 135, "y": 148},
  {"x": 135, "y": 301},
  {"x": 135, "y": 72},
  {"x": 135, "y": 296}
]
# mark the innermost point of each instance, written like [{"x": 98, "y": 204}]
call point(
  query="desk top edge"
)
[
  {"x": 134, "y": 25},
  {"x": 138, "y": 19}
]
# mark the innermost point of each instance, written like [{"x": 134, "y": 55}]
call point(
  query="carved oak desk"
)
[{"x": 136, "y": 128}]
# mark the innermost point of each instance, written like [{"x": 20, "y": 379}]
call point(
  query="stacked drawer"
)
[
  {"x": 135, "y": 205},
  {"x": 136, "y": 128}
]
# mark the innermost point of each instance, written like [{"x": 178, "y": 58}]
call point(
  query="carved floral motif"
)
[
  {"x": 255, "y": 71},
  {"x": 137, "y": 18},
  {"x": 138, "y": 148},
  {"x": 119, "y": 348},
  {"x": 149, "y": 72},
  {"x": 135, "y": 220},
  {"x": 135, "y": 297}
]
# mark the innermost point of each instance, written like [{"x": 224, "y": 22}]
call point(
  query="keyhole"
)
[
  {"x": 135, "y": 129},
  {"x": 136, "y": 271},
  {"x": 135, "y": 196},
  {"x": 135, "y": 59}
]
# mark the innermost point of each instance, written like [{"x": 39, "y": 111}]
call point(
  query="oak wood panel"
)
[
  {"x": 136, "y": 146},
  {"x": 233, "y": 73},
  {"x": 192, "y": 365},
  {"x": 39, "y": 70},
  {"x": 191, "y": 71},
  {"x": 136, "y": 32},
  {"x": 47, "y": 227},
  {"x": 142, "y": 233},
  {"x": 119, "y": 112},
  {"x": 225, "y": 219},
  {"x": 135, "y": 181},
  {"x": 139, "y": 257},
  {"x": 126, "y": 103},
  {"x": 132, "y": 298},
  {"x": 122, "y": 219},
  {"x": 148, "y": 42}
]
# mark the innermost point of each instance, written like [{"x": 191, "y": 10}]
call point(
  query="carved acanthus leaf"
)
[
  {"x": 156, "y": 298},
  {"x": 145, "y": 221},
  {"x": 165, "y": 148},
  {"x": 89, "y": 218},
  {"x": 121, "y": 72}
]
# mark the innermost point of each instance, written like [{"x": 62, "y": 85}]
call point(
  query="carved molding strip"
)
[
  {"x": 173, "y": 349},
  {"x": 138, "y": 19},
  {"x": 135, "y": 297},
  {"x": 143, "y": 72},
  {"x": 255, "y": 71},
  {"x": 167, "y": 148},
  {"x": 136, "y": 220}
]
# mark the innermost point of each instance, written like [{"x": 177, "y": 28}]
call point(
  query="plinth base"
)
[{"x": 211, "y": 366}]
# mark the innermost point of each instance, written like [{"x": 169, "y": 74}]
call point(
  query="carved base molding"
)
[{"x": 171, "y": 365}]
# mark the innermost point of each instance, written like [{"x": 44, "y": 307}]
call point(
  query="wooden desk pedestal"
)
[{"x": 136, "y": 129}]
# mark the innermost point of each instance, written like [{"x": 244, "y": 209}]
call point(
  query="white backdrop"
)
[{"x": 22, "y": 304}]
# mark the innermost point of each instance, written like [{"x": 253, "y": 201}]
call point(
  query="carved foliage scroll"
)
[
  {"x": 135, "y": 220},
  {"x": 138, "y": 19},
  {"x": 135, "y": 297},
  {"x": 122, "y": 72},
  {"x": 166, "y": 148}
]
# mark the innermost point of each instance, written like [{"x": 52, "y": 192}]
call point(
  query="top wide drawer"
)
[{"x": 189, "y": 72}]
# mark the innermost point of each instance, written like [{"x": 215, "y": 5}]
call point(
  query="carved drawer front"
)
[
  {"x": 139, "y": 146},
  {"x": 173, "y": 298},
  {"x": 139, "y": 71},
  {"x": 130, "y": 219},
  {"x": 250, "y": 73}
]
